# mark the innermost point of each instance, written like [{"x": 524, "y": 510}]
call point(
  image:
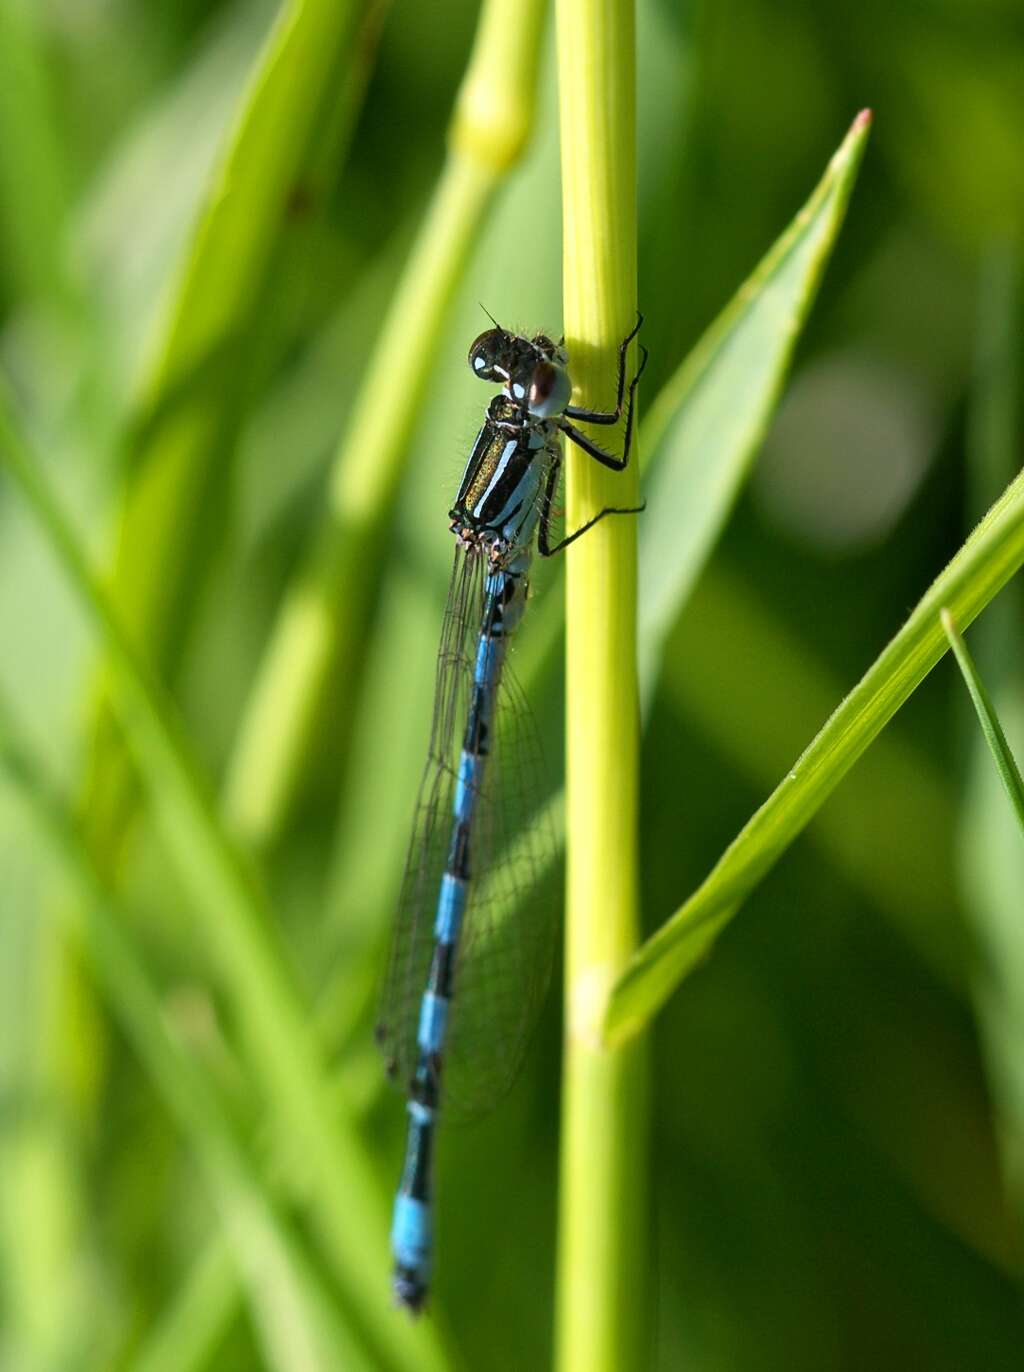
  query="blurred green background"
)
[{"x": 837, "y": 1170}]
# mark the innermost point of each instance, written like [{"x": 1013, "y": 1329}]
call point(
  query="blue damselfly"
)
[{"x": 463, "y": 985}]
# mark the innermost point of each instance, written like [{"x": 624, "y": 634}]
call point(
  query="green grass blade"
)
[
  {"x": 707, "y": 423},
  {"x": 309, "y": 62},
  {"x": 33, "y": 190},
  {"x": 190, "y": 1330},
  {"x": 289, "y": 1304},
  {"x": 224, "y": 325},
  {"x": 990, "y": 852},
  {"x": 995, "y": 737},
  {"x": 282, "y": 1052},
  {"x": 994, "y": 551},
  {"x": 754, "y": 688}
]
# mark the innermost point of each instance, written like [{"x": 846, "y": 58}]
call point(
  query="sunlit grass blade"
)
[
  {"x": 754, "y": 686},
  {"x": 33, "y": 189},
  {"x": 282, "y": 1053},
  {"x": 295, "y": 116},
  {"x": 707, "y": 423},
  {"x": 326, "y": 609},
  {"x": 982, "y": 566},
  {"x": 289, "y": 1302},
  {"x": 995, "y": 736},
  {"x": 188, "y": 1333}
]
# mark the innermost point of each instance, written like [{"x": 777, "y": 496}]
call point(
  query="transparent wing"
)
[
  {"x": 505, "y": 954},
  {"x": 507, "y": 940}
]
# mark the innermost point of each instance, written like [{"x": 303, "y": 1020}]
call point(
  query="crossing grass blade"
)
[
  {"x": 707, "y": 424},
  {"x": 992, "y": 554},
  {"x": 995, "y": 736},
  {"x": 297, "y": 1320},
  {"x": 282, "y": 1054},
  {"x": 990, "y": 853}
]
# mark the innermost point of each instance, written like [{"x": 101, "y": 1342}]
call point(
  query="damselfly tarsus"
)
[{"x": 463, "y": 985}]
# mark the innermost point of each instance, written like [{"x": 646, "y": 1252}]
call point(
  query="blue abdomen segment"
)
[
  {"x": 451, "y": 906},
  {"x": 412, "y": 1221},
  {"x": 411, "y": 1235},
  {"x": 433, "y": 1022},
  {"x": 412, "y": 1226}
]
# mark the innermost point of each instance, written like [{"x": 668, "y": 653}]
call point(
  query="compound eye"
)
[
  {"x": 542, "y": 384},
  {"x": 486, "y": 355},
  {"x": 549, "y": 390}
]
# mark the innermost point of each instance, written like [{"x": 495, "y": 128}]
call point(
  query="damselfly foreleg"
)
[
  {"x": 586, "y": 416},
  {"x": 547, "y": 549}
]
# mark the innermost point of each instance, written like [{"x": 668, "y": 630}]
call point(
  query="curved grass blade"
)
[
  {"x": 296, "y": 1318},
  {"x": 982, "y": 566},
  {"x": 708, "y": 422},
  {"x": 285, "y": 148},
  {"x": 995, "y": 737},
  {"x": 282, "y": 1054},
  {"x": 887, "y": 829}
]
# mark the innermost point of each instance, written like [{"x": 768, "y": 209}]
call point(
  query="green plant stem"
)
[
  {"x": 326, "y": 611},
  {"x": 600, "y": 1309}
]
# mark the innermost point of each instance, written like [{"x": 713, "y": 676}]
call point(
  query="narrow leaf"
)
[
  {"x": 982, "y": 566},
  {"x": 708, "y": 422},
  {"x": 224, "y": 329},
  {"x": 291, "y": 1307},
  {"x": 995, "y": 737},
  {"x": 283, "y": 1055}
]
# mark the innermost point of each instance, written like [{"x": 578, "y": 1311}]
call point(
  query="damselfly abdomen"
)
[{"x": 469, "y": 959}]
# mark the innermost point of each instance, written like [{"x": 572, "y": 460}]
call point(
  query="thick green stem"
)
[{"x": 601, "y": 1232}]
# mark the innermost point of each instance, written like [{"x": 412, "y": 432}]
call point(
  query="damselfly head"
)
[
  {"x": 495, "y": 354},
  {"x": 531, "y": 369}
]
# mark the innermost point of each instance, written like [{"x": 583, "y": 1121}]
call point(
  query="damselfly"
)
[{"x": 463, "y": 985}]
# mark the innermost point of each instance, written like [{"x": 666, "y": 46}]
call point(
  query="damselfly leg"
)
[
  {"x": 544, "y": 545},
  {"x": 586, "y": 416}
]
